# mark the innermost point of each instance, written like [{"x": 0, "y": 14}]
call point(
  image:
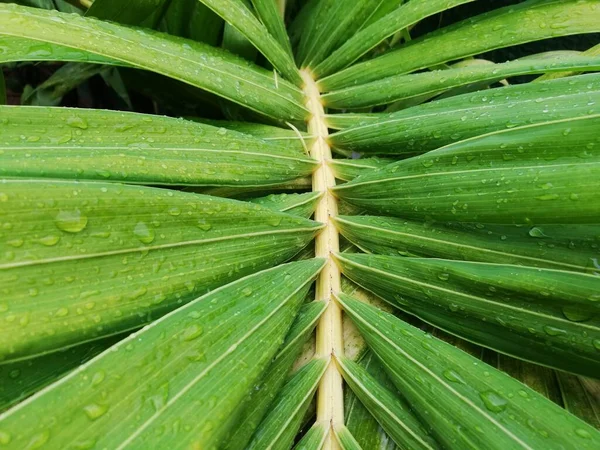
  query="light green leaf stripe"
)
[
  {"x": 512, "y": 25},
  {"x": 540, "y": 315},
  {"x": 138, "y": 148},
  {"x": 192, "y": 62},
  {"x": 396, "y": 20},
  {"x": 336, "y": 22},
  {"x": 361, "y": 423},
  {"x": 314, "y": 438},
  {"x": 345, "y": 438},
  {"x": 501, "y": 177},
  {"x": 279, "y": 427},
  {"x": 102, "y": 258},
  {"x": 565, "y": 247},
  {"x": 268, "y": 13},
  {"x": 243, "y": 19},
  {"x": 289, "y": 138},
  {"x": 302, "y": 205},
  {"x": 191, "y": 368},
  {"x": 393, "y": 415},
  {"x": 22, "y": 379},
  {"x": 349, "y": 169},
  {"x": 257, "y": 403},
  {"x": 402, "y": 87},
  {"x": 436, "y": 124},
  {"x": 466, "y": 402}
]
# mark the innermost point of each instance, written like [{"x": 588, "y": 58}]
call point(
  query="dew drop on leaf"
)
[{"x": 71, "y": 221}]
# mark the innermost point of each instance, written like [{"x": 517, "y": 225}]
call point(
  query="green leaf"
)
[
  {"x": 366, "y": 39},
  {"x": 302, "y": 205},
  {"x": 594, "y": 51},
  {"x": 102, "y": 258},
  {"x": 239, "y": 16},
  {"x": 565, "y": 247},
  {"x": 403, "y": 87},
  {"x": 467, "y": 403},
  {"x": 146, "y": 13},
  {"x": 193, "y": 20},
  {"x": 540, "y": 379},
  {"x": 268, "y": 13},
  {"x": 180, "y": 378},
  {"x": 433, "y": 125},
  {"x": 349, "y": 169},
  {"x": 21, "y": 379},
  {"x": 578, "y": 398},
  {"x": 336, "y": 22},
  {"x": 512, "y": 25},
  {"x": 345, "y": 438},
  {"x": 278, "y": 429},
  {"x": 350, "y": 119},
  {"x": 136, "y": 148},
  {"x": 257, "y": 403},
  {"x": 536, "y": 174},
  {"x": 358, "y": 419},
  {"x": 314, "y": 438},
  {"x": 546, "y": 316},
  {"x": 47, "y": 33},
  {"x": 393, "y": 414},
  {"x": 60, "y": 83}
]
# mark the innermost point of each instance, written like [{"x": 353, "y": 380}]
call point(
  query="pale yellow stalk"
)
[{"x": 330, "y": 401}]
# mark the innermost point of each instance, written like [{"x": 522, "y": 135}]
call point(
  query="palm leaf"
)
[
  {"x": 189, "y": 61},
  {"x": 429, "y": 84},
  {"x": 239, "y": 16},
  {"x": 258, "y": 402},
  {"x": 65, "y": 143},
  {"x": 314, "y": 438},
  {"x": 512, "y": 25},
  {"x": 493, "y": 178},
  {"x": 345, "y": 439},
  {"x": 104, "y": 258},
  {"x": 394, "y": 416},
  {"x": 180, "y": 361},
  {"x": 436, "y": 124},
  {"x": 540, "y": 315},
  {"x": 563, "y": 247},
  {"x": 281, "y": 424},
  {"x": 396, "y": 20},
  {"x": 466, "y": 402},
  {"x": 302, "y": 205}
]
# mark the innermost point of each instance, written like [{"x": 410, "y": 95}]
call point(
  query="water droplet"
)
[
  {"x": 39, "y": 440},
  {"x": 70, "y": 221},
  {"x": 493, "y": 401},
  {"x": 49, "y": 240},
  {"x": 451, "y": 375},
  {"x": 575, "y": 314},
  {"x": 95, "y": 411},
  {"x": 3, "y": 197},
  {"x": 443, "y": 276},
  {"x": 553, "y": 331},
  {"x": 144, "y": 233},
  {"x": 98, "y": 378},
  {"x": 62, "y": 312},
  {"x": 537, "y": 232},
  {"x": 583, "y": 433},
  {"x": 247, "y": 291},
  {"x": 77, "y": 122},
  {"x": 4, "y": 438},
  {"x": 203, "y": 225},
  {"x": 192, "y": 332}
]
